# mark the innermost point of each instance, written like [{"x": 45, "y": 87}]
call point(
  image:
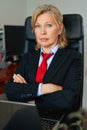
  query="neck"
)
[{"x": 47, "y": 50}]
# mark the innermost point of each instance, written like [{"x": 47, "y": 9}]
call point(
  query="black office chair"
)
[
  {"x": 75, "y": 32},
  {"x": 74, "y": 28}
]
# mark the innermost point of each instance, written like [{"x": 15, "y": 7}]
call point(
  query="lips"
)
[{"x": 43, "y": 39}]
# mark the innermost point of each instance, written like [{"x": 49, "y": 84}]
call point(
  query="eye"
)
[
  {"x": 37, "y": 26},
  {"x": 49, "y": 25}
]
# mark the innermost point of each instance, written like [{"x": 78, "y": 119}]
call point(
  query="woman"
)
[{"x": 58, "y": 90}]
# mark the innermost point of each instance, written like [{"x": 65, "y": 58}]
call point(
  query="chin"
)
[{"x": 44, "y": 44}]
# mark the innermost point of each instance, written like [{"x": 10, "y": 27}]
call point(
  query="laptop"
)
[{"x": 23, "y": 116}]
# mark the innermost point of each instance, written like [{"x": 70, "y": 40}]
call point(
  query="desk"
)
[{"x": 5, "y": 75}]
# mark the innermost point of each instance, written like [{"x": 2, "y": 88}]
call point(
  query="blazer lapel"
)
[
  {"x": 34, "y": 62},
  {"x": 56, "y": 63}
]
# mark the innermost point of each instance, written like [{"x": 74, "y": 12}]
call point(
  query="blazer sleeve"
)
[
  {"x": 21, "y": 92},
  {"x": 66, "y": 99}
]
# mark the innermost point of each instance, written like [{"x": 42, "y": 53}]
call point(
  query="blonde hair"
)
[{"x": 58, "y": 17}]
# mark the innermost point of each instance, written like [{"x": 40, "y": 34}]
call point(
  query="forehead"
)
[{"x": 45, "y": 17}]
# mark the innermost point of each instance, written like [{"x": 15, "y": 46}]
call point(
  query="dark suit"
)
[{"x": 65, "y": 70}]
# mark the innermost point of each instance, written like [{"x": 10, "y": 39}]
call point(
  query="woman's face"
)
[{"x": 47, "y": 31}]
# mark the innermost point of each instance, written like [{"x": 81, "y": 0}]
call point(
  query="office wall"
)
[
  {"x": 68, "y": 6},
  {"x": 12, "y": 12}
]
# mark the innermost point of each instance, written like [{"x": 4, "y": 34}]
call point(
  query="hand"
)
[
  {"x": 19, "y": 79},
  {"x": 49, "y": 88}
]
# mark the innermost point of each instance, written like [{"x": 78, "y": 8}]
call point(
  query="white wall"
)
[
  {"x": 12, "y": 12},
  {"x": 68, "y": 6}
]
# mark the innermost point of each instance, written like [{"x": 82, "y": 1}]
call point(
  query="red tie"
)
[{"x": 42, "y": 68}]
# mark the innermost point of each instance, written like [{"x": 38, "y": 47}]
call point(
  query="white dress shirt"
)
[{"x": 54, "y": 50}]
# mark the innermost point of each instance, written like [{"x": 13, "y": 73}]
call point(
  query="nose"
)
[{"x": 43, "y": 30}]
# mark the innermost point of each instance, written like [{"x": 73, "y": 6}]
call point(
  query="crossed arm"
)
[{"x": 45, "y": 88}]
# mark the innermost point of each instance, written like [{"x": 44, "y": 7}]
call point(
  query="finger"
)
[
  {"x": 21, "y": 78},
  {"x": 17, "y": 78}
]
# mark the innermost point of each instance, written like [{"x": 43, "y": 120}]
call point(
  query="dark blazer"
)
[{"x": 65, "y": 70}]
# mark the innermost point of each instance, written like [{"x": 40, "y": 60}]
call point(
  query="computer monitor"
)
[{"x": 14, "y": 40}]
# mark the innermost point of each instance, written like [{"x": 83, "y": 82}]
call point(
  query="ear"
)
[{"x": 61, "y": 26}]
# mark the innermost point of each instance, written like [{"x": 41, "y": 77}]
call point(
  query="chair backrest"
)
[
  {"x": 29, "y": 36},
  {"x": 75, "y": 32},
  {"x": 74, "y": 28}
]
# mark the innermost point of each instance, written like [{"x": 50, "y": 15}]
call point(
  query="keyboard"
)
[{"x": 48, "y": 124}]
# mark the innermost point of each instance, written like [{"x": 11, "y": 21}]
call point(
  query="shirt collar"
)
[{"x": 54, "y": 50}]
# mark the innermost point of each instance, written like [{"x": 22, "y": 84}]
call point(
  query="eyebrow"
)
[{"x": 46, "y": 22}]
